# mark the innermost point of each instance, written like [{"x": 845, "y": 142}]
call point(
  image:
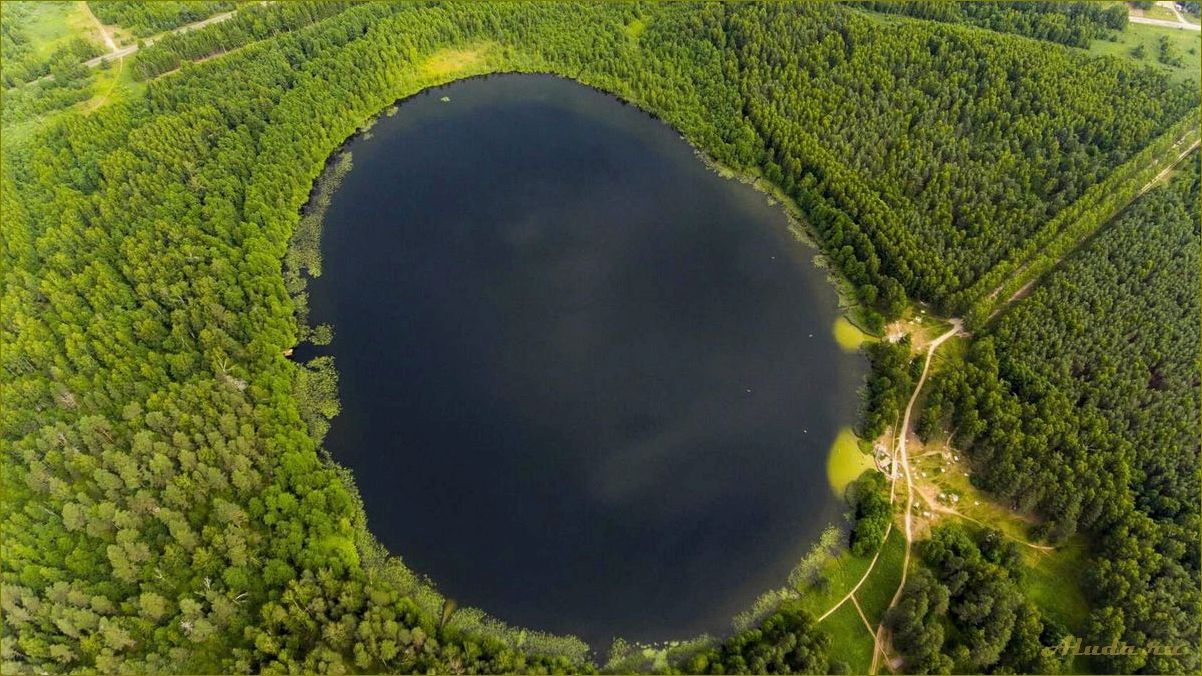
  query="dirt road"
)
[
  {"x": 108, "y": 39},
  {"x": 904, "y": 459},
  {"x": 1171, "y": 6},
  {"x": 121, "y": 52}
]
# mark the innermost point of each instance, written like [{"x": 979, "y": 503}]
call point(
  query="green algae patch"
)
[
  {"x": 846, "y": 462},
  {"x": 848, "y": 335}
]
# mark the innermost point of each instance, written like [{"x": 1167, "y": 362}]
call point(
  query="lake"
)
[{"x": 587, "y": 384}]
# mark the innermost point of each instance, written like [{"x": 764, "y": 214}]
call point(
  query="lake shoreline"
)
[{"x": 775, "y": 199}]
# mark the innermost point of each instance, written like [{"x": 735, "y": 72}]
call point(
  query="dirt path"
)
[
  {"x": 112, "y": 45},
  {"x": 888, "y": 529},
  {"x": 116, "y": 52},
  {"x": 903, "y": 458},
  {"x": 1136, "y": 15},
  {"x": 863, "y": 577},
  {"x": 876, "y": 646},
  {"x": 1171, "y": 6},
  {"x": 117, "y": 78},
  {"x": 863, "y": 617},
  {"x": 1165, "y": 23},
  {"x": 1032, "y": 545},
  {"x": 119, "y": 53},
  {"x": 108, "y": 39},
  {"x": 899, "y": 457}
]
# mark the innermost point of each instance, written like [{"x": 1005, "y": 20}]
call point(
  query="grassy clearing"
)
[
  {"x": 108, "y": 85},
  {"x": 846, "y": 462},
  {"x": 927, "y": 327},
  {"x": 876, "y": 593},
  {"x": 121, "y": 35},
  {"x": 850, "y": 640},
  {"x": 942, "y": 486},
  {"x": 1185, "y": 43},
  {"x": 843, "y": 572},
  {"x": 451, "y": 62},
  {"x": 951, "y": 353},
  {"x": 920, "y": 326},
  {"x": 114, "y": 83},
  {"x": 51, "y": 25},
  {"x": 839, "y": 575},
  {"x": 1051, "y": 582}
]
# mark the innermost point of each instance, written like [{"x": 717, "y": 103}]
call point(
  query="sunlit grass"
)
[
  {"x": 839, "y": 575},
  {"x": 449, "y": 62},
  {"x": 843, "y": 572},
  {"x": 113, "y": 83},
  {"x": 1051, "y": 582},
  {"x": 51, "y": 25},
  {"x": 850, "y": 640},
  {"x": 877, "y": 591},
  {"x": 1186, "y": 43}
]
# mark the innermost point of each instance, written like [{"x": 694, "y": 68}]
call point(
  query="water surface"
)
[{"x": 587, "y": 384}]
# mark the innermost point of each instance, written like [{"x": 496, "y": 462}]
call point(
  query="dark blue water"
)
[{"x": 587, "y": 385}]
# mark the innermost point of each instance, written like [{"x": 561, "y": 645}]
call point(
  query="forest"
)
[
  {"x": 250, "y": 24},
  {"x": 963, "y": 612},
  {"x": 1081, "y": 403},
  {"x": 28, "y": 55},
  {"x": 144, "y": 19},
  {"x": 168, "y": 506},
  {"x": 1068, "y": 23}
]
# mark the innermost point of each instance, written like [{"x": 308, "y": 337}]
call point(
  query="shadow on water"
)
[{"x": 587, "y": 384}]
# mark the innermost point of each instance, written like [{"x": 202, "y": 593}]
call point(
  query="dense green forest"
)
[
  {"x": 1082, "y": 404},
  {"x": 167, "y": 506},
  {"x": 1069, "y": 23},
  {"x": 889, "y": 384},
  {"x": 252, "y": 23},
  {"x": 147, "y": 18},
  {"x": 72, "y": 83},
  {"x": 940, "y": 148}
]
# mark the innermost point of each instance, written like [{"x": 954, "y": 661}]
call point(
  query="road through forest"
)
[
  {"x": 903, "y": 458},
  {"x": 121, "y": 52}
]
